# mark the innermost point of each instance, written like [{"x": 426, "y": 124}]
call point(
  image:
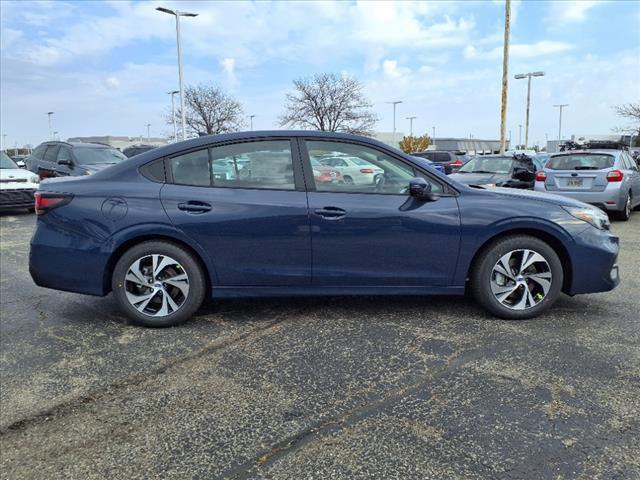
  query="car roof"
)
[
  {"x": 600, "y": 151},
  {"x": 78, "y": 144}
]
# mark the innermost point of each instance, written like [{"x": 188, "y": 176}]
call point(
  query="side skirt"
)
[{"x": 323, "y": 291}]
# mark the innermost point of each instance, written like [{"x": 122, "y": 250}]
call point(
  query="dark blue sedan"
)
[{"x": 166, "y": 228}]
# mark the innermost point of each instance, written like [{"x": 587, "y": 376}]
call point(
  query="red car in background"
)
[{"x": 325, "y": 174}]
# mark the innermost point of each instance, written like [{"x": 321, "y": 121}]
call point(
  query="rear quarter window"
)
[{"x": 581, "y": 162}]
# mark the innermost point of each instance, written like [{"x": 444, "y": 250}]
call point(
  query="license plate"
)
[{"x": 574, "y": 182}]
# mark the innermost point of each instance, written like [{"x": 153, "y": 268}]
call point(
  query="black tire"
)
[
  {"x": 625, "y": 214},
  {"x": 196, "y": 283},
  {"x": 348, "y": 180},
  {"x": 481, "y": 276}
]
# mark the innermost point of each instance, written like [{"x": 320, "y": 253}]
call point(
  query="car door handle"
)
[
  {"x": 194, "y": 207},
  {"x": 331, "y": 213}
]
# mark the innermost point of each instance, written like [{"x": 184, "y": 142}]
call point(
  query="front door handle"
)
[
  {"x": 331, "y": 213},
  {"x": 194, "y": 207}
]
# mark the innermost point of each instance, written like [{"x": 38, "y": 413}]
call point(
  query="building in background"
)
[
  {"x": 387, "y": 137},
  {"x": 120, "y": 142},
  {"x": 467, "y": 145}
]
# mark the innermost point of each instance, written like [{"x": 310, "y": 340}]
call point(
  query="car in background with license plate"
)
[
  {"x": 608, "y": 179},
  {"x": 17, "y": 185}
]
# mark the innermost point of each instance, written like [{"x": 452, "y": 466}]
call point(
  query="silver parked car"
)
[{"x": 608, "y": 179}]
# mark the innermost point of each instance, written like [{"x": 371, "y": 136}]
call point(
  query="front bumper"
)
[
  {"x": 17, "y": 198},
  {"x": 594, "y": 258}
]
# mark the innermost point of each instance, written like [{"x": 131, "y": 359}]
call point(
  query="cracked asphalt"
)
[{"x": 396, "y": 387}]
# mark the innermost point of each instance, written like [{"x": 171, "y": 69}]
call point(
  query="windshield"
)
[
  {"x": 487, "y": 165},
  {"x": 581, "y": 161},
  {"x": 97, "y": 156},
  {"x": 6, "y": 162}
]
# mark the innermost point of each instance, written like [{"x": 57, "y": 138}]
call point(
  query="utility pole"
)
[
  {"x": 505, "y": 74},
  {"x": 251, "y": 117},
  {"x": 560, "y": 119},
  {"x": 173, "y": 114},
  {"x": 50, "y": 131},
  {"x": 394, "y": 103},
  {"x": 4, "y": 141},
  {"x": 519, "y": 77},
  {"x": 178, "y": 14},
  {"x": 411, "y": 119},
  {"x": 148, "y": 136}
]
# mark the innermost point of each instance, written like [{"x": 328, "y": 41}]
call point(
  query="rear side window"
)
[
  {"x": 257, "y": 165},
  {"x": 442, "y": 157},
  {"x": 51, "y": 155},
  {"x": 39, "y": 152},
  {"x": 580, "y": 161}
]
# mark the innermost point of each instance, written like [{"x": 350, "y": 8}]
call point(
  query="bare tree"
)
[
  {"x": 209, "y": 110},
  {"x": 329, "y": 102},
  {"x": 632, "y": 112}
]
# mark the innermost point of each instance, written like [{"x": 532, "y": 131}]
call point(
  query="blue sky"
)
[{"x": 104, "y": 67}]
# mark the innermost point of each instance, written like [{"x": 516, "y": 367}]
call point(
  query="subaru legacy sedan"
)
[{"x": 161, "y": 231}]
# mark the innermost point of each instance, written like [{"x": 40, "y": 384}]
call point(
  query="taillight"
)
[
  {"x": 456, "y": 162},
  {"x": 615, "y": 176},
  {"x": 49, "y": 201},
  {"x": 541, "y": 176},
  {"x": 366, "y": 170}
]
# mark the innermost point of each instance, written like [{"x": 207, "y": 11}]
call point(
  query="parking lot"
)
[{"x": 399, "y": 387}]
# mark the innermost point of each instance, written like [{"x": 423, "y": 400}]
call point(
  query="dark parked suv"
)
[
  {"x": 451, "y": 160},
  {"x": 61, "y": 159},
  {"x": 134, "y": 150}
]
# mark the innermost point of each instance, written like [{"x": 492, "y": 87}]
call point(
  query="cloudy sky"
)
[{"x": 104, "y": 67}]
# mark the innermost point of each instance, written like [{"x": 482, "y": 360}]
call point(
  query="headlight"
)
[
  {"x": 35, "y": 179},
  {"x": 594, "y": 216}
]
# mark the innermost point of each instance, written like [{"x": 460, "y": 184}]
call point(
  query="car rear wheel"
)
[
  {"x": 626, "y": 211},
  {"x": 517, "y": 277},
  {"x": 158, "y": 284}
]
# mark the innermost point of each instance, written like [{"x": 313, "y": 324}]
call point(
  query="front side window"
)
[
  {"x": 369, "y": 170},
  {"x": 51, "y": 155},
  {"x": 64, "y": 154},
  {"x": 256, "y": 165},
  {"x": 39, "y": 151}
]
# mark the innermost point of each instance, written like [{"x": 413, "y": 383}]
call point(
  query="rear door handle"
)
[
  {"x": 331, "y": 213},
  {"x": 194, "y": 207}
]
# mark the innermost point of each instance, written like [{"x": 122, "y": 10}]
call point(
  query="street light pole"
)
[
  {"x": 178, "y": 14},
  {"x": 434, "y": 137},
  {"x": 394, "y": 103},
  {"x": 251, "y": 117},
  {"x": 148, "y": 136},
  {"x": 173, "y": 115},
  {"x": 519, "y": 77},
  {"x": 519, "y": 135},
  {"x": 560, "y": 119},
  {"x": 411, "y": 119},
  {"x": 49, "y": 116},
  {"x": 505, "y": 74}
]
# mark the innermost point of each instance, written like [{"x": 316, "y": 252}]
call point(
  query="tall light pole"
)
[
  {"x": 4, "y": 141},
  {"x": 251, "y": 117},
  {"x": 173, "y": 114},
  {"x": 434, "y": 136},
  {"x": 560, "y": 119},
  {"x": 148, "y": 136},
  {"x": 55, "y": 136},
  {"x": 526, "y": 122},
  {"x": 411, "y": 119},
  {"x": 519, "y": 135},
  {"x": 505, "y": 74},
  {"x": 178, "y": 14},
  {"x": 49, "y": 117},
  {"x": 394, "y": 103}
]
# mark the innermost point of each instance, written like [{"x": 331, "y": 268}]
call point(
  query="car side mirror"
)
[
  {"x": 66, "y": 162},
  {"x": 421, "y": 189},
  {"x": 523, "y": 174}
]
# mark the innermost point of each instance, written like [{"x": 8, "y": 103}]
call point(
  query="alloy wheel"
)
[
  {"x": 521, "y": 279},
  {"x": 156, "y": 285}
]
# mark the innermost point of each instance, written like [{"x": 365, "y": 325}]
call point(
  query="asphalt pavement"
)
[{"x": 366, "y": 387}]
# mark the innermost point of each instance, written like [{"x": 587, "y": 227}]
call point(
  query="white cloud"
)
[
  {"x": 229, "y": 66},
  {"x": 520, "y": 50},
  {"x": 562, "y": 12},
  {"x": 392, "y": 70},
  {"x": 112, "y": 82}
]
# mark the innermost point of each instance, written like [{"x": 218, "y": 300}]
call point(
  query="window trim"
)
[
  {"x": 447, "y": 190},
  {"x": 298, "y": 179}
]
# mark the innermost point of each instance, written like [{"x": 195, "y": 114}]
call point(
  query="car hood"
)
[
  {"x": 16, "y": 178},
  {"x": 480, "y": 178},
  {"x": 541, "y": 196}
]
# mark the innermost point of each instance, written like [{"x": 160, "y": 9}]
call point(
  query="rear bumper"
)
[
  {"x": 594, "y": 262},
  {"x": 609, "y": 199}
]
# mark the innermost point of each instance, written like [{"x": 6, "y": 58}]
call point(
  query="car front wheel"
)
[
  {"x": 517, "y": 277},
  {"x": 158, "y": 284}
]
